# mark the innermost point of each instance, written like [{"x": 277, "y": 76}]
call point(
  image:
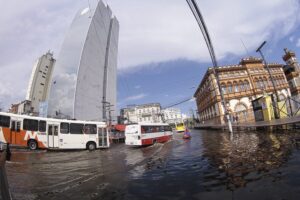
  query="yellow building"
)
[{"x": 240, "y": 84}]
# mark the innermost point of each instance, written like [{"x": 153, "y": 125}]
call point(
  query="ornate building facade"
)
[
  {"x": 240, "y": 85},
  {"x": 149, "y": 113}
]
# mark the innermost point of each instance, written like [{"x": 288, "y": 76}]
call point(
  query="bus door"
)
[
  {"x": 102, "y": 135},
  {"x": 52, "y": 136},
  {"x": 15, "y": 132}
]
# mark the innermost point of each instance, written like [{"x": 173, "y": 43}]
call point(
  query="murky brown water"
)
[{"x": 252, "y": 165}]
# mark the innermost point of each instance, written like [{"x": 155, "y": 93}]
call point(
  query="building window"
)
[
  {"x": 236, "y": 87},
  {"x": 265, "y": 83},
  {"x": 261, "y": 84},
  {"x": 229, "y": 87},
  {"x": 246, "y": 85},
  {"x": 241, "y": 86},
  {"x": 223, "y": 88}
]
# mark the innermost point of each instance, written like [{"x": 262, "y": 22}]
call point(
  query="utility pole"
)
[
  {"x": 271, "y": 77},
  {"x": 199, "y": 18}
]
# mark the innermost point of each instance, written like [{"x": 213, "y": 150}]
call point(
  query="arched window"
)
[
  {"x": 246, "y": 85},
  {"x": 261, "y": 84},
  {"x": 229, "y": 87},
  {"x": 270, "y": 82},
  {"x": 256, "y": 82},
  {"x": 265, "y": 82},
  {"x": 236, "y": 86},
  {"x": 242, "y": 88},
  {"x": 223, "y": 88}
]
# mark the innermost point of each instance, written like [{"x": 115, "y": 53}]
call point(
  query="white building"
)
[
  {"x": 150, "y": 113},
  {"x": 39, "y": 83},
  {"x": 85, "y": 80},
  {"x": 172, "y": 115}
]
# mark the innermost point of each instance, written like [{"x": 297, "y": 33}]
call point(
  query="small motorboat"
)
[{"x": 186, "y": 135}]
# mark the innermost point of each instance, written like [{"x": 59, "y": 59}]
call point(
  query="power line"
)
[{"x": 178, "y": 103}]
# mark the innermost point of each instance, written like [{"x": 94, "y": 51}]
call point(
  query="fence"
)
[{"x": 290, "y": 107}]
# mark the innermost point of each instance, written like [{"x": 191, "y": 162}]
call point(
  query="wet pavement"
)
[{"x": 251, "y": 165}]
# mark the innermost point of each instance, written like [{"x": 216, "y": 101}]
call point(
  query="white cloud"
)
[
  {"x": 165, "y": 30},
  {"x": 150, "y": 31},
  {"x": 136, "y": 97},
  {"x": 298, "y": 43},
  {"x": 291, "y": 39},
  {"x": 137, "y": 87}
]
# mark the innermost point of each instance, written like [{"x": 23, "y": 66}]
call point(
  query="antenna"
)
[{"x": 247, "y": 52}]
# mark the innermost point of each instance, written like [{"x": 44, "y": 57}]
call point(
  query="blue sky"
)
[{"x": 161, "y": 50}]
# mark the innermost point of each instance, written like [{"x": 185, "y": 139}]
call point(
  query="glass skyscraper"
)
[{"x": 85, "y": 71}]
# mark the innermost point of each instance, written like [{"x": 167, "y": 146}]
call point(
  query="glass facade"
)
[{"x": 90, "y": 46}]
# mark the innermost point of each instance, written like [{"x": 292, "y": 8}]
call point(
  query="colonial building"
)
[
  {"x": 172, "y": 115},
  {"x": 240, "y": 84},
  {"x": 150, "y": 113}
]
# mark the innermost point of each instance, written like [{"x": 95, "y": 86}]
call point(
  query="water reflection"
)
[
  {"x": 209, "y": 166},
  {"x": 245, "y": 158}
]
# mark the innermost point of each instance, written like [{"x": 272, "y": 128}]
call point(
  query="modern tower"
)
[
  {"x": 84, "y": 82},
  {"x": 39, "y": 83}
]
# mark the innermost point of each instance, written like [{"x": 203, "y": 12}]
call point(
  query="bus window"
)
[
  {"x": 30, "y": 125},
  {"x": 42, "y": 126},
  {"x": 172, "y": 125},
  {"x": 161, "y": 129},
  {"x": 4, "y": 121},
  {"x": 90, "y": 129},
  {"x": 55, "y": 130},
  {"x": 168, "y": 128},
  {"x": 64, "y": 127},
  {"x": 76, "y": 128}
]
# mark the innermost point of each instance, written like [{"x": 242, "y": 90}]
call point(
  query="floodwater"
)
[{"x": 212, "y": 165}]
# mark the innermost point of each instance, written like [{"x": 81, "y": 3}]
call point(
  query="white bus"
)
[
  {"x": 48, "y": 133},
  {"x": 147, "y": 134}
]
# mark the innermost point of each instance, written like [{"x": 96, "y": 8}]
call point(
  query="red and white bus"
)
[
  {"x": 147, "y": 134},
  {"x": 48, "y": 133}
]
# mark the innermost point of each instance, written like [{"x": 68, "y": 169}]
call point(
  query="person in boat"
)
[{"x": 187, "y": 133}]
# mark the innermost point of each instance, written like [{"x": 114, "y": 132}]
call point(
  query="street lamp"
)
[
  {"x": 200, "y": 20},
  {"x": 271, "y": 77}
]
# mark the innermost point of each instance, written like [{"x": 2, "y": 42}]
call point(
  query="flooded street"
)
[{"x": 253, "y": 165}]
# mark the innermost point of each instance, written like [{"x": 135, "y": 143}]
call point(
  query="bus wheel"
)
[
  {"x": 32, "y": 145},
  {"x": 154, "y": 141},
  {"x": 91, "y": 146}
]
